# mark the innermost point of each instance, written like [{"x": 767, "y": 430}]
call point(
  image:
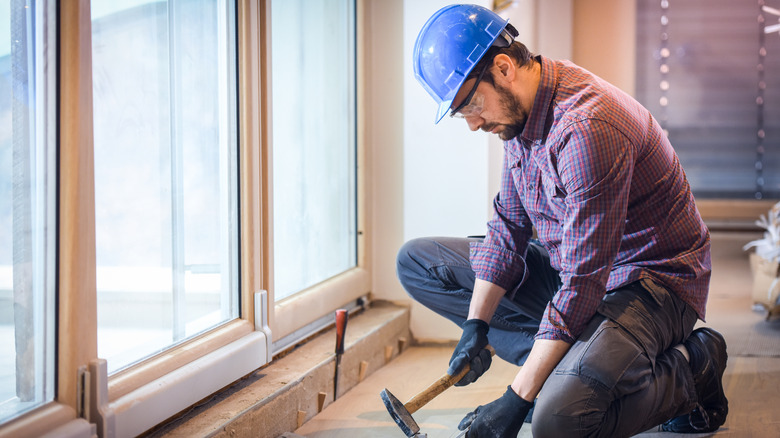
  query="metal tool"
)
[
  {"x": 402, "y": 413},
  {"x": 341, "y": 328}
]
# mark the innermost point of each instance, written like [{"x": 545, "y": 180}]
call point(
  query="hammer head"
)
[{"x": 399, "y": 413}]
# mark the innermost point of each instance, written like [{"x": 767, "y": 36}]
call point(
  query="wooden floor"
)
[{"x": 752, "y": 379}]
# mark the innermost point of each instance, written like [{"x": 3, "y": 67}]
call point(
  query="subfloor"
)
[{"x": 752, "y": 377}]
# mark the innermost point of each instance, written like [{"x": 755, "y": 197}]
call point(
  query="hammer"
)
[{"x": 402, "y": 413}]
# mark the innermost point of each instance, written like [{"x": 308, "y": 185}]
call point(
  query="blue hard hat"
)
[{"x": 448, "y": 47}]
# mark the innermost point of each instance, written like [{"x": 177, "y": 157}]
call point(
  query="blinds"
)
[{"x": 711, "y": 76}]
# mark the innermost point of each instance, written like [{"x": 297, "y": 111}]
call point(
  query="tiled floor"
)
[{"x": 752, "y": 380}]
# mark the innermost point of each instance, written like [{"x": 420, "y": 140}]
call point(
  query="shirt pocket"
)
[
  {"x": 554, "y": 194},
  {"x": 551, "y": 188},
  {"x": 525, "y": 186}
]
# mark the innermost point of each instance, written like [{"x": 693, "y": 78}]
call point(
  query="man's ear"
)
[{"x": 504, "y": 68}]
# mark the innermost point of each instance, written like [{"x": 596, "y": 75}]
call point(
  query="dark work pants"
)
[{"x": 621, "y": 377}]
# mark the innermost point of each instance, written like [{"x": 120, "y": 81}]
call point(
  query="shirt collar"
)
[{"x": 535, "y": 124}]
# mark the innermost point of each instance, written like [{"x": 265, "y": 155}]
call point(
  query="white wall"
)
[
  {"x": 382, "y": 118},
  {"x": 445, "y": 165},
  {"x": 445, "y": 168}
]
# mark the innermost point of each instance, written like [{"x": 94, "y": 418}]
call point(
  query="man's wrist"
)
[
  {"x": 524, "y": 395},
  {"x": 517, "y": 401}
]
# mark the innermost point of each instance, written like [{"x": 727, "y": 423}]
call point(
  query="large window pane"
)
[
  {"x": 313, "y": 141},
  {"x": 165, "y": 173},
  {"x": 27, "y": 204}
]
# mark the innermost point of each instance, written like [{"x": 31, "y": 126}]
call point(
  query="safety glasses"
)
[{"x": 472, "y": 104}]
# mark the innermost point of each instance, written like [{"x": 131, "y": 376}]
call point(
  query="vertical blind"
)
[{"x": 709, "y": 71}]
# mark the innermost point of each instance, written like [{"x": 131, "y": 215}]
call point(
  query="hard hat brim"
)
[{"x": 444, "y": 108}]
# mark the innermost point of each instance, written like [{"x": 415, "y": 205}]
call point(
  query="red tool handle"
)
[{"x": 341, "y": 328}]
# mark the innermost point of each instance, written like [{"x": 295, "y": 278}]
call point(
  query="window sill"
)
[
  {"x": 278, "y": 398},
  {"x": 733, "y": 214}
]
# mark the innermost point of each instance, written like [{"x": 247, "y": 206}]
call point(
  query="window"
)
[
  {"x": 710, "y": 73},
  {"x": 27, "y": 205},
  {"x": 314, "y": 147},
  {"x": 129, "y": 237},
  {"x": 165, "y": 146}
]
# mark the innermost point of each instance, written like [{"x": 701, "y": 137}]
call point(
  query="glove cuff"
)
[
  {"x": 476, "y": 325},
  {"x": 518, "y": 403}
]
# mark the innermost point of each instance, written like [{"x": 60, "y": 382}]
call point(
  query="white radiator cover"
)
[{"x": 160, "y": 399}]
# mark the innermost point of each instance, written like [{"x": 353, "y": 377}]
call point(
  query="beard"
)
[{"x": 511, "y": 105}]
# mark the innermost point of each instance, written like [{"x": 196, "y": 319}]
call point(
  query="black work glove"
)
[
  {"x": 500, "y": 418},
  {"x": 471, "y": 350}
]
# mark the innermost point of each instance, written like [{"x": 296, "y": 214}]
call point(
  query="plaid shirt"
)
[{"x": 595, "y": 175}]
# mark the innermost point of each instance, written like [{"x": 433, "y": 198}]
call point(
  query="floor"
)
[{"x": 752, "y": 377}]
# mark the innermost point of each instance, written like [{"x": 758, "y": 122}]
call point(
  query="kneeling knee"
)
[
  {"x": 550, "y": 421},
  {"x": 406, "y": 256},
  {"x": 564, "y": 412},
  {"x": 409, "y": 266}
]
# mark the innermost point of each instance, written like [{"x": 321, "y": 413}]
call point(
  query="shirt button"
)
[{"x": 530, "y": 186}]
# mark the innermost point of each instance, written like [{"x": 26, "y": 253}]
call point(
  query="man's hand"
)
[
  {"x": 471, "y": 350},
  {"x": 501, "y": 418}
]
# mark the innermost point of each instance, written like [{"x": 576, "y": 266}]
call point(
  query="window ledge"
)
[
  {"x": 278, "y": 398},
  {"x": 733, "y": 214}
]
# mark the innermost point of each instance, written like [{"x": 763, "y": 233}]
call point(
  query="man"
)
[{"x": 600, "y": 309}]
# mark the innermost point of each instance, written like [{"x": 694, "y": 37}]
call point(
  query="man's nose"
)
[{"x": 474, "y": 122}]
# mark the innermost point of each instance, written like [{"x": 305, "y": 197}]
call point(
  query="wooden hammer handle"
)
[{"x": 438, "y": 387}]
